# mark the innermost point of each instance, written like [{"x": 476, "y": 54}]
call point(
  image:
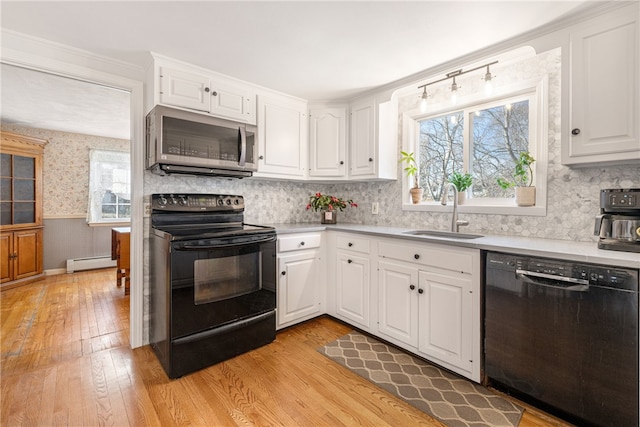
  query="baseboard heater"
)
[{"x": 90, "y": 263}]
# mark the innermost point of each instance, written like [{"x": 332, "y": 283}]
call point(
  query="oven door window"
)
[{"x": 220, "y": 278}]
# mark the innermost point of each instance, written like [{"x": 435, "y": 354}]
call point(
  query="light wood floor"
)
[{"x": 66, "y": 361}]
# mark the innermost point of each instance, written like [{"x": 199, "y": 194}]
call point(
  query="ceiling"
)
[{"x": 324, "y": 50}]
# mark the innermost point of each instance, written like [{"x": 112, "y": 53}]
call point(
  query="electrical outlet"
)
[
  {"x": 147, "y": 209},
  {"x": 374, "y": 208}
]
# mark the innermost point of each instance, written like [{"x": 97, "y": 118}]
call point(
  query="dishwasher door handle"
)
[{"x": 577, "y": 285}]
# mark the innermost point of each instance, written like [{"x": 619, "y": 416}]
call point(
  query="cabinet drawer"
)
[
  {"x": 440, "y": 256},
  {"x": 296, "y": 242},
  {"x": 356, "y": 244}
]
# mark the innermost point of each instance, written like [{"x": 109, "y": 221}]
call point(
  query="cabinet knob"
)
[
  {"x": 284, "y": 273},
  {"x": 417, "y": 256},
  {"x": 575, "y": 131},
  {"x": 349, "y": 244},
  {"x": 341, "y": 162},
  {"x": 349, "y": 261},
  {"x": 301, "y": 243},
  {"x": 420, "y": 291},
  {"x": 206, "y": 89},
  {"x": 370, "y": 159},
  {"x": 412, "y": 287},
  {"x": 214, "y": 93},
  {"x": 261, "y": 157}
]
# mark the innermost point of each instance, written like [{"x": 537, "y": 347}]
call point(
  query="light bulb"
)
[
  {"x": 454, "y": 91},
  {"x": 423, "y": 100},
  {"x": 488, "y": 83}
]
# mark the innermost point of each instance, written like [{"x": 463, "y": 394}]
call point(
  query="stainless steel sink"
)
[{"x": 448, "y": 234}]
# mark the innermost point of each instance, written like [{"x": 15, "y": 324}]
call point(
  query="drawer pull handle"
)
[
  {"x": 417, "y": 256},
  {"x": 349, "y": 261},
  {"x": 349, "y": 244}
]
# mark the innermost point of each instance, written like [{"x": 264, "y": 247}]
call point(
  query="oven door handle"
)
[
  {"x": 191, "y": 247},
  {"x": 223, "y": 329},
  {"x": 577, "y": 285}
]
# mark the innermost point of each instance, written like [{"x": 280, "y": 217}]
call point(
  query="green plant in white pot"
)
[
  {"x": 462, "y": 181},
  {"x": 522, "y": 180},
  {"x": 411, "y": 170}
]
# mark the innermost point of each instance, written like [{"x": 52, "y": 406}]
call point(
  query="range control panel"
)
[{"x": 181, "y": 202}]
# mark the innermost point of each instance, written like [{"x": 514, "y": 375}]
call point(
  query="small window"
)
[{"x": 109, "y": 187}]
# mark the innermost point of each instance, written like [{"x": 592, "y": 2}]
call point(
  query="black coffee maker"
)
[{"x": 618, "y": 224}]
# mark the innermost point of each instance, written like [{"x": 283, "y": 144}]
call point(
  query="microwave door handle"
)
[{"x": 243, "y": 146}]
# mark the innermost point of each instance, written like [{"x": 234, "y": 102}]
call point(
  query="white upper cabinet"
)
[
  {"x": 184, "y": 89},
  {"x": 363, "y": 140},
  {"x": 605, "y": 91},
  {"x": 186, "y": 86},
  {"x": 327, "y": 142},
  {"x": 282, "y": 138}
]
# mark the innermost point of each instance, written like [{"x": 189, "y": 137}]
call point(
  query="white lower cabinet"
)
[
  {"x": 445, "y": 318},
  {"x": 300, "y": 289},
  {"x": 398, "y": 303},
  {"x": 353, "y": 289},
  {"x": 429, "y": 302}
]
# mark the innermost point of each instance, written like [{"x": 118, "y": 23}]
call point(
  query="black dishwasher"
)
[{"x": 564, "y": 337}]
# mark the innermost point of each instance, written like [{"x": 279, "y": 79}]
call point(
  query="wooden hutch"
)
[{"x": 21, "y": 226}]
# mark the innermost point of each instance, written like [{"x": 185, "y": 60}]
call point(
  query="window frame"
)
[
  {"x": 536, "y": 90},
  {"x": 96, "y": 195}
]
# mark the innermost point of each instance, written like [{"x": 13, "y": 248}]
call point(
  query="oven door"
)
[{"x": 216, "y": 282}]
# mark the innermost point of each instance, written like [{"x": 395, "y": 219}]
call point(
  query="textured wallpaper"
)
[{"x": 66, "y": 168}]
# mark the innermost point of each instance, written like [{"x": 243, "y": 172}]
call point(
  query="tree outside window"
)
[{"x": 485, "y": 141}]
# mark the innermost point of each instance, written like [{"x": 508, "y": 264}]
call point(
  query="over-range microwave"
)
[{"x": 184, "y": 142}]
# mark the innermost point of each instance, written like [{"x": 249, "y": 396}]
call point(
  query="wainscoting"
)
[{"x": 66, "y": 238}]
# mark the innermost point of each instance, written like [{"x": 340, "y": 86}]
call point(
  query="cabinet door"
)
[
  {"x": 185, "y": 89},
  {"x": 233, "y": 102},
  {"x": 605, "y": 91},
  {"x": 327, "y": 142},
  {"x": 363, "y": 140},
  {"x": 6, "y": 257},
  {"x": 28, "y": 247},
  {"x": 298, "y": 286},
  {"x": 398, "y": 302},
  {"x": 353, "y": 293},
  {"x": 281, "y": 137},
  {"x": 446, "y": 330}
]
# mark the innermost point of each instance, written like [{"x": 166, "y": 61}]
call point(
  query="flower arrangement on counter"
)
[{"x": 326, "y": 202}]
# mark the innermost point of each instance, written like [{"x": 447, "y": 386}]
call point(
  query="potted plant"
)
[
  {"x": 461, "y": 181},
  {"x": 412, "y": 170},
  {"x": 328, "y": 205},
  {"x": 522, "y": 180}
]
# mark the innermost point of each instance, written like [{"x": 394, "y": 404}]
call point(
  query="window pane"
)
[
  {"x": 108, "y": 211},
  {"x": 499, "y": 135},
  {"x": 109, "y": 197},
  {"x": 124, "y": 211},
  {"x": 24, "y": 167},
  {"x": 25, "y": 213},
  {"x": 440, "y": 152}
]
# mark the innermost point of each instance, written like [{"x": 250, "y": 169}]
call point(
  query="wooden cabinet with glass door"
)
[{"x": 20, "y": 209}]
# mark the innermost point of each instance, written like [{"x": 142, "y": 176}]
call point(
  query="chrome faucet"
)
[{"x": 455, "y": 222}]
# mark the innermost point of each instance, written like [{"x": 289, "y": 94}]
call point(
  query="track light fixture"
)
[{"x": 488, "y": 78}]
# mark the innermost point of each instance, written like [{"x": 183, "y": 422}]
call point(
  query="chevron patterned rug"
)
[{"x": 451, "y": 399}]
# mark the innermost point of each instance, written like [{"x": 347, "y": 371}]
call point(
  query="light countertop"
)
[{"x": 550, "y": 248}]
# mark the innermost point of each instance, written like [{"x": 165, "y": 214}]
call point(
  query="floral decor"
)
[{"x": 326, "y": 202}]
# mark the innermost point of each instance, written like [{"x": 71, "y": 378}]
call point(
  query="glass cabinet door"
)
[{"x": 17, "y": 189}]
